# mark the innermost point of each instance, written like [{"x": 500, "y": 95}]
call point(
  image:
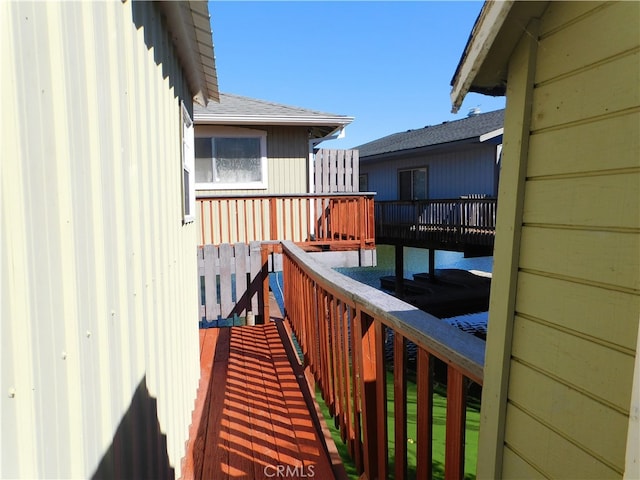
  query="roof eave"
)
[
  {"x": 337, "y": 122},
  {"x": 483, "y": 65},
  {"x": 416, "y": 151},
  {"x": 485, "y": 137},
  {"x": 190, "y": 27},
  {"x": 483, "y": 34}
]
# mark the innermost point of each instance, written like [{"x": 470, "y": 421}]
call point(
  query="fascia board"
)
[
  {"x": 484, "y": 34},
  {"x": 490, "y": 135},
  {"x": 262, "y": 120}
]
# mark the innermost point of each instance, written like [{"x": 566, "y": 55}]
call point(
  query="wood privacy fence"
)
[
  {"x": 336, "y": 171},
  {"x": 307, "y": 219},
  {"x": 341, "y": 326},
  {"x": 233, "y": 279}
]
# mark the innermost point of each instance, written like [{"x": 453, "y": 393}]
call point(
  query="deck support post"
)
[
  {"x": 399, "y": 271},
  {"x": 432, "y": 264}
]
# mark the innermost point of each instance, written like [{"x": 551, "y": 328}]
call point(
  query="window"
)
[
  {"x": 412, "y": 184},
  {"x": 363, "y": 182},
  {"x": 188, "y": 184},
  {"x": 231, "y": 160}
]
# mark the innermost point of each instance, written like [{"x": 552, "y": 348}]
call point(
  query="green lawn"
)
[{"x": 439, "y": 422}]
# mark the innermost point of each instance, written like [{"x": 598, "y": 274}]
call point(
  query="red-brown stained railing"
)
[
  {"x": 306, "y": 219},
  {"x": 341, "y": 326}
]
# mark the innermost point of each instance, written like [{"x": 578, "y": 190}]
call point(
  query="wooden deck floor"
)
[{"x": 253, "y": 422}]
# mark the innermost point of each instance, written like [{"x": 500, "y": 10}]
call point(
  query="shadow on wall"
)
[
  {"x": 139, "y": 448},
  {"x": 148, "y": 17}
]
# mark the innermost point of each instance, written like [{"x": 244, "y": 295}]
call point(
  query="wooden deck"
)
[
  {"x": 461, "y": 225},
  {"x": 252, "y": 420}
]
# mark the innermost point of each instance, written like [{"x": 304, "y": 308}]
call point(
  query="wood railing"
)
[
  {"x": 334, "y": 220},
  {"x": 341, "y": 326},
  {"x": 453, "y": 221}
]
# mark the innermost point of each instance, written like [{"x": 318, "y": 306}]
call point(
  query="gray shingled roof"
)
[
  {"x": 446, "y": 132},
  {"x": 238, "y": 110}
]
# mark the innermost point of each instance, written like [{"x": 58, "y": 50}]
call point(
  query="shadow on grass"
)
[{"x": 439, "y": 428}]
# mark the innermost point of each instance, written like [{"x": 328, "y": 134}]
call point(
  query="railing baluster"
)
[
  {"x": 456, "y": 417},
  {"x": 340, "y": 368},
  {"x": 400, "y": 405},
  {"x": 424, "y": 378},
  {"x": 367, "y": 358},
  {"x": 381, "y": 401},
  {"x": 246, "y": 222},
  {"x": 356, "y": 392},
  {"x": 324, "y": 332}
]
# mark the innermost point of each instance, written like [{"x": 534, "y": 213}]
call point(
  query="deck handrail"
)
[
  {"x": 307, "y": 219},
  {"x": 457, "y": 220},
  {"x": 340, "y": 325}
]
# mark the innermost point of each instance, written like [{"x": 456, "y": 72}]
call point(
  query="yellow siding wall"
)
[
  {"x": 98, "y": 274},
  {"x": 288, "y": 161},
  {"x": 577, "y": 300}
]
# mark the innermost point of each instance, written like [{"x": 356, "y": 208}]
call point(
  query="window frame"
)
[
  {"x": 188, "y": 167},
  {"x": 226, "y": 132},
  {"x": 412, "y": 170},
  {"x": 363, "y": 178}
]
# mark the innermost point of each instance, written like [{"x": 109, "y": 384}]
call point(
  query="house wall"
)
[
  {"x": 452, "y": 172},
  {"x": 288, "y": 160},
  {"x": 100, "y": 352},
  {"x": 563, "y": 321}
]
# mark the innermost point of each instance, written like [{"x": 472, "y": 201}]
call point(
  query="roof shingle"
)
[
  {"x": 232, "y": 106},
  {"x": 446, "y": 132}
]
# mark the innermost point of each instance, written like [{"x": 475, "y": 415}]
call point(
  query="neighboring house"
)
[
  {"x": 100, "y": 348},
  {"x": 249, "y": 146},
  {"x": 561, "y": 379},
  {"x": 449, "y": 160},
  {"x": 259, "y": 176}
]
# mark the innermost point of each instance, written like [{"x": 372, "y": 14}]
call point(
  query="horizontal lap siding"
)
[
  {"x": 99, "y": 269},
  {"x": 578, "y": 300}
]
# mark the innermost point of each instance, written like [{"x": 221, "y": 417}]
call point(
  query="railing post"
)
[
  {"x": 371, "y": 218},
  {"x": 362, "y": 216},
  {"x": 264, "y": 308},
  {"x": 366, "y": 359}
]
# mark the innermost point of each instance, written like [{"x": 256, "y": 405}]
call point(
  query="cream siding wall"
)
[
  {"x": 288, "y": 160},
  {"x": 99, "y": 293},
  {"x": 452, "y": 173},
  {"x": 570, "y": 354}
]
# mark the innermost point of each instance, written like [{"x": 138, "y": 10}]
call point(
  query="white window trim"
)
[
  {"x": 188, "y": 167},
  {"x": 212, "y": 131}
]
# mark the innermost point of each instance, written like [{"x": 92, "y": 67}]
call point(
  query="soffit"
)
[{"x": 190, "y": 27}]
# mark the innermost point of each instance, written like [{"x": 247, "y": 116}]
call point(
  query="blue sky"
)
[{"x": 388, "y": 64}]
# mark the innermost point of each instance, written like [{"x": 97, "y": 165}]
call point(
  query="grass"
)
[{"x": 439, "y": 426}]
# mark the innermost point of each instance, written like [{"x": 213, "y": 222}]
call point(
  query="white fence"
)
[
  {"x": 336, "y": 171},
  {"x": 231, "y": 281}
]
